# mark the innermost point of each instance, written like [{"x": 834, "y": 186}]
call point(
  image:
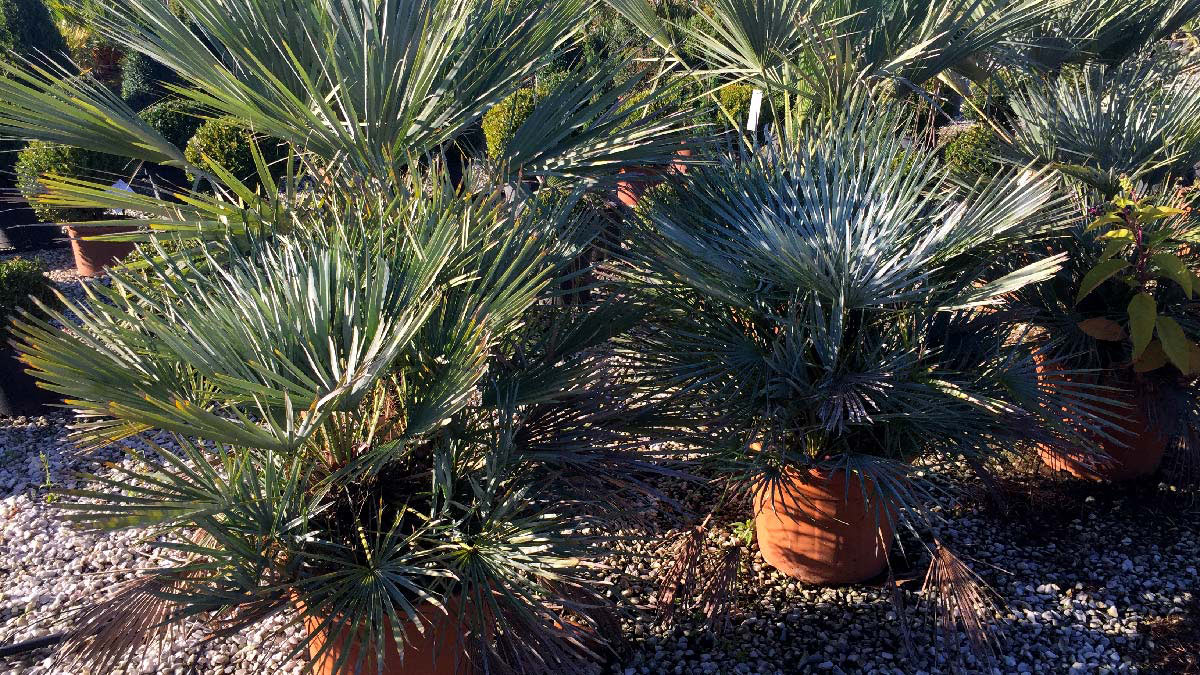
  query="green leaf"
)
[
  {"x": 1108, "y": 219},
  {"x": 1098, "y": 275},
  {"x": 1114, "y": 247},
  {"x": 1143, "y": 311},
  {"x": 1152, "y": 359},
  {"x": 1121, "y": 233},
  {"x": 1171, "y": 266},
  {"x": 1157, "y": 213},
  {"x": 1176, "y": 345},
  {"x": 1102, "y": 329}
]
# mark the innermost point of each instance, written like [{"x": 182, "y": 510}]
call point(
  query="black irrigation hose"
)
[{"x": 30, "y": 645}]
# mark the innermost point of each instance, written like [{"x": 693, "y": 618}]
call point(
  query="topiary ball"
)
[
  {"x": 40, "y": 158},
  {"x": 971, "y": 153},
  {"x": 227, "y": 141},
  {"x": 174, "y": 119},
  {"x": 736, "y": 99}
]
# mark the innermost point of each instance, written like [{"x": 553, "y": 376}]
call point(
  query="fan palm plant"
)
[
  {"x": 814, "y": 55},
  {"x": 378, "y": 413},
  {"x": 832, "y": 309},
  {"x": 371, "y": 435},
  {"x": 1137, "y": 119},
  {"x": 1103, "y": 31}
]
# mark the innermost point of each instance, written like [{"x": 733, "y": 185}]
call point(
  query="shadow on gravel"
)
[{"x": 1176, "y": 642}]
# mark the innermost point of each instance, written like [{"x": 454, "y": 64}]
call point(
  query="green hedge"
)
[
  {"x": 41, "y": 158},
  {"x": 227, "y": 140},
  {"x": 501, "y": 121},
  {"x": 971, "y": 153},
  {"x": 174, "y": 119},
  {"x": 27, "y": 29},
  {"x": 142, "y": 78},
  {"x": 19, "y": 279}
]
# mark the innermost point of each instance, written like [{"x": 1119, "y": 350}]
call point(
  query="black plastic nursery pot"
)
[
  {"x": 19, "y": 230},
  {"x": 19, "y": 393}
]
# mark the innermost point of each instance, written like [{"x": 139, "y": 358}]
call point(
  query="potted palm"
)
[
  {"x": 368, "y": 387},
  {"x": 1122, "y": 313},
  {"x": 375, "y": 424},
  {"x": 824, "y": 304}
]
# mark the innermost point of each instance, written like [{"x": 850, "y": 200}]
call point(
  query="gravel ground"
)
[{"x": 1088, "y": 578}]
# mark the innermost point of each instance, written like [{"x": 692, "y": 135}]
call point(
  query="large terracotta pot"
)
[
  {"x": 91, "y": 257},
  {"x": 440, "y": 650},
  {"x": 819, "y": 528},
  {"x": 1139, "y": 452}
]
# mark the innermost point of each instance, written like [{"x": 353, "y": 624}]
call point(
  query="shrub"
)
[
  {"x": 226, "y": 141},
  {"x": 970, "y": 154},
  {"x": 174, "y": 119},
  {"x": 27, "y": 29},
  {"x": 41, "y": 158},
  {"x": 502, "y": 120},
  {"x": 142, "y": 78},
  {"x": 736, "y": 99},
  {"x": 21, "y": 278}
]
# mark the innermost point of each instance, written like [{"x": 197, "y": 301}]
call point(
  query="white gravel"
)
[{"x": 1084, "y": 575}]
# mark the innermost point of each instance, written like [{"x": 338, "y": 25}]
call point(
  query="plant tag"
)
[{"x": 755, "y": 106}]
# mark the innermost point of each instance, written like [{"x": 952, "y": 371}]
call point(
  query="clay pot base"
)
[
  {"x": 439, "y": 650},
  {"x": 1139, "y": 454},
  {"x": 821, "y": 531}
]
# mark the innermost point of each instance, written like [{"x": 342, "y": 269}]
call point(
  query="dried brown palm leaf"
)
[
  {"x": 961, "y": 599},
  {"x": 133, "y": 620},
  {"x": 720, "y": 590},
  {"x": 686, "y": 561}
]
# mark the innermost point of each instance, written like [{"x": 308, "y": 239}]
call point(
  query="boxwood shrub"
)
[
  {"x": 501, "y": 121},
  {"x": 142, "y": 78},
  {"x": 174, "y": 119},
  {"x": 227, "y": 140},
  {"x": 971, "y": 153},
  {"x": 21, "y": 278}
]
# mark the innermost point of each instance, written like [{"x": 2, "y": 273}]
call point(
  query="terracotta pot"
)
[
  {"x": 1138, "y": 454},
  {"x": 630, "y": 190},
  {"x": 91, "y": 257},
  {"x": 819, "y": 529},
  {"x": 440, "y": 650}
]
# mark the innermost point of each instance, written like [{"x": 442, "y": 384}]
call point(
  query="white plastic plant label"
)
[{"x": 755, "y": 106}]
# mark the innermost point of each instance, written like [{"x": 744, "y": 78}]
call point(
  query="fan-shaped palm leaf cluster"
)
[{"x": 399, "y": 369}]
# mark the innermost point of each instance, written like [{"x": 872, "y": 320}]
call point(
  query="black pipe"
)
[{"x": 30, "y": 645}]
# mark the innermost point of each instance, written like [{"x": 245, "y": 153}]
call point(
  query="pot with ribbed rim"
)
[{"x": 823, "y": 527}]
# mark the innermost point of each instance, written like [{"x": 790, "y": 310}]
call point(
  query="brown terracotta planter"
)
[
  {"x": 440, "y": 650},
  {"x": 630, "y": 190},
  {"x": 820, "y": 530},
  {"x": 1138, "y": 454},
  {"x": 91, "y": 257}
]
